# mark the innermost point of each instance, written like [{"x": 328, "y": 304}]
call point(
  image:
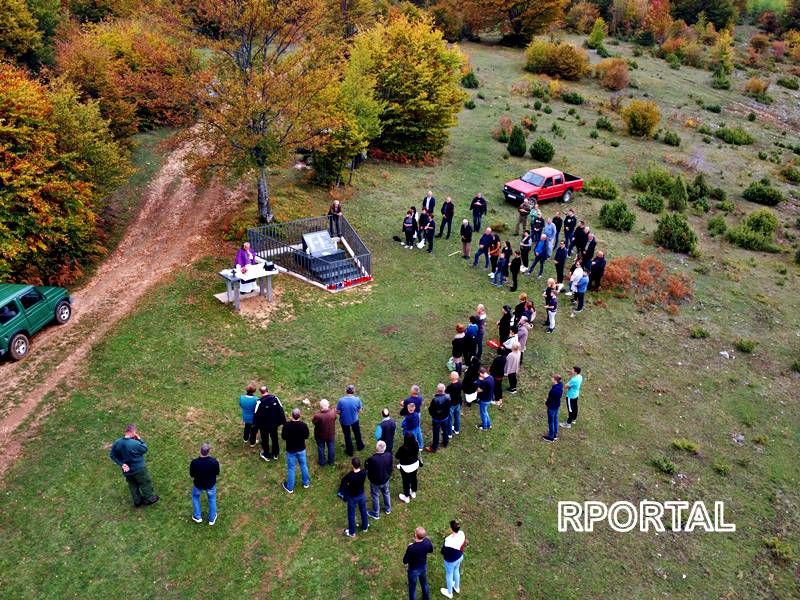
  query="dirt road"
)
[{"x": 173, "y": 228}]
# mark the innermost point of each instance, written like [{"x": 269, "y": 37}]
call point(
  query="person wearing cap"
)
[
  {"x": 128, "y": 452},
  {"x": 324, "y": 421},
  {"x": 348, "y": 408},
  {"x": 416, "y": 557},
  {"x": 204, "y": 471}
]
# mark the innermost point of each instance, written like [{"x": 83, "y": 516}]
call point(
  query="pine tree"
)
[
  {"x": 679, "y": 195},
  {"x": 516, "y": 143}
]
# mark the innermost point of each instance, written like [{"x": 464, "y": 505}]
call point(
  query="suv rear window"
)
[
  {"x": 30, "y": 298},
  {"x": 8, "y": 312}
]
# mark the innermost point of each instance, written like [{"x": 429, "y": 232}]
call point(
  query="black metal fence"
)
[{"x": 282, "y": 243}]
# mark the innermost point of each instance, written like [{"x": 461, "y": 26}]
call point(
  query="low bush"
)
[
  {"x": 721, "y": 468},
  {"x": 572, "y": 98},
  {"x": 601, "y": 187},
  {"x": 699, "y": 188},
  {"x": 542, "y": 150},
  {"x": 791, "y": 173},
  {"x": 714, "y": 108},
  {"x": 686, "y": 445},
  {"x": 705, "y": 129},
  {"x": 678, "y": 198},
  {"x": 557, "y": 130},
  {"x": 781, "y": 550},
  {"x": 720, "y": 81},
  {"x": 757, "y": 88},
  {"x": 751, "y": 116},
  {"x": 593, "y": 134},
  {"x": 616, "y": 215},
  {"x": 674, "y": 233},
  {"x": 673, "y": 60},
  {"x": 641, "y": 117},
  {"x": 529, "y": 123},
  {"x": 597, "y": 34},
  {"x": 651, "y": 201},
  {"x": 537, "y": 104},
  {"x": 516, "y": 142},
  {"x": 614, "y": 143},
  {"x": 613, "y": 73},
  {"x": 653, "y": 178},
  {"x": 646, "y": 279},
  {"x": 698, "y": 333},
  {"x": 734, "y": 135},
  {"x": 744, "y": 346},
  {"x": 557, "y": 60},
  {"x": 756, "y": 232},
  {"x": 763, "y": 221},
  {"x": 469, "y": 104},
  {"x": 547, "y": 109},
  {"x": 582, "y": 16},
  {"x": 664, "y": 465},
  {"x": 726, "y": 206},
  {"x": 470, "y": 81},
  {"x": 672, "y": 139},
  {"x": 717, "y": 226},
  {"x": 604, "y": 123},
  {"x": 790, "y": 83},
  {"x": 762, "y": 192},
  {"x": 502, "y": 132},
  {"x": 701, "y": 205}
]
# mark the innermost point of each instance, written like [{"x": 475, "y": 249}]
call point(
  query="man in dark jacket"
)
[
  {"x": 429, "y": 202},
  {"x": 204, "y": 471},
  {"x": 466, "y": 239},
  {"x": 128, "y": 452},
  {"x": 324, "y": 421},
  {"x": 352, "y": 490},
  {"x": 483, "y": 247},
  {"x": 570, "y": 223},
  {"x": 269, "y": 416},
  {"x": 497, "y": 370},
  {"x": 541, "y": 252},
  {"x": 588, "y": 252},
  {"x": 537, "y": 224},
  {"x": 560, "y": 261},
  {"x": 439, "y": 410},
  {"x": 597, "y": 269},
  {"x": 416, "y": 557},
  {"x": 379, "y": 472},
  {"x": 429, "y": 231},
  {"x": 513, "y": 268},
  {"x": 295, "y": 432},
  {"x": 422, "y": 223},
  {"x": 553, "y": 403},
  {"x": 580, "y": 237},
  {"x": 479, "y": 207},
  {"x": 385, "y": 430},
  {"x": 523, "y": 212},
  {"x": 559, "y": 223},
  {"x": 448, "y": 210}
]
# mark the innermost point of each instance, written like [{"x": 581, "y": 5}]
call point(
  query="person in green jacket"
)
[{"x": 128, "y": 452}]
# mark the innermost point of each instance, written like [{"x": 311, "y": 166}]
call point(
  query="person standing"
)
[
  {"x": 429, "y": 203},
  {"x": 416, "y": 399},
  {"x": 471, "y": 339},
  {"x": 295, "y": 432},
  {"x": 580, "y": 237},
  {"x": 422, "y": 225},
  {"x": 430, "y": 232},
  {"x": 448, "y": 210},
  {"x": 500, "y": 269},
  {"x": 385, "y": 430},
  {"x": 324, "y": 421},
  {"x": 588, "y": 252},
  {"x": 580, "y": 293},
  {"x": 334, "y": 214},
  {"x": 512, "y": 366},
  {"x": 484, "y": 244},
  {"x": 560, "y": 261},
  {"x": 497, "y": 370},
  {"x": 480, "y": 314},
  {"x": 379, "y": 472},
  {"x": 352, "y": 489},
  {"x": 525, "y": 248},
  {"x": 514, "y": 268},
  {"x": 204, "y": 470},
  {"x": 541, "y": 255},
  {"x": 247, "y": 402},
  {"x": 416, "y": 557},
  {"x": 459, "y": 346},
  {"x": 410, "y": 424},
  {"x": 407, "y": 457},
  {"x": 485, "y": 388},
  {"x": 479, "y": 207},
  {"x": 559, "y": 223},
  {"x": 522, "y": 336},
  {"x": 573, "y": 393},
  {"x": 570, "y": 222},
  {"x": 550, "y": 232},
  {"x": 244, "y": 258},
  {"x": 552, "y": 309},
  {"x": 553, "y": 403},
  {"x": 466, "y": 239},
  {"x": 537, "y": 224},
  {"x": 596, "y": 271},
  {"x": 504, "y": 324},
  {"x": 348, "y": 407},
  {"x": 439, "y": 409},
  {"x": 523, "y": 212},
  {"x": 453, "y": 554},
  {"x": 576, "y": 272},
  {"x": 269, "y": 416},
  {"x": 128, "y": 452},
  {"x": 519, "y": 308},
  {"x": 453, "y": 390},
  {"x": 494, "y": 251},
  {"x": 409, "y": 229}
]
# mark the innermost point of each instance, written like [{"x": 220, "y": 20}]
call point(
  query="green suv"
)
[{"x": 24, "y": 310}]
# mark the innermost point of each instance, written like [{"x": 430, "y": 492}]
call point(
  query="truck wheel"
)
[
  {"x": 19, "y": 346},
  {"x": 567, "y": 196},
  {"x": 63, "y": 312}
]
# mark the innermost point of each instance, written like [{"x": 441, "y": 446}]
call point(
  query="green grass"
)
[{"x": 177, "y": 366}]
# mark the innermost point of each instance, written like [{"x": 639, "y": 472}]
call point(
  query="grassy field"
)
[{"x": 176, "y": 368}]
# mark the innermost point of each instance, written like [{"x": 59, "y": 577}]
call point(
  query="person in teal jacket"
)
[
  {"x": 573, "y": 391},
  {"x": 247, "y": 402},
  {"x": 128, "y": 452}
]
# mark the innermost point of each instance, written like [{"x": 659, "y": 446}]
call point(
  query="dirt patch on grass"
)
[
  {"x": 389, "y": 329},
  {"x": 260, "y": 312},
  {"x": 270, "y": 577}
]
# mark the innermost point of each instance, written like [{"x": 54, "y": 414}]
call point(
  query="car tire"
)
[
  {"x": 567, "y": 197},
  {"x": 19, "y": 346},
  {"x": 63, "y": 312}
]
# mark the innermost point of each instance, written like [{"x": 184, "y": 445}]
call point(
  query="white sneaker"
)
[
  {"x": 413, "y": 494},
  {"x": 456, "y": 590},
  {"x": 445, "y": 593},
  {"x": 405, "y": 498},
  {"x": 214, "y": 521},
  {"x": 199, "y": 520},
  {"x": 565, "y": 425}
]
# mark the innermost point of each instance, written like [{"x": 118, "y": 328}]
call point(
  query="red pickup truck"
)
[{"x": 542, "y": 184}]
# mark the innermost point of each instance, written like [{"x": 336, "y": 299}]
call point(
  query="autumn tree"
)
[
  {"x": 418, "y": 78},
  {"x": 719, "y": 12},
  {"x": 273, "y": 89},
  {"x": 57, "y": 160},
  {"x": 346, "y": 18},
  {"x": 19, "y": 35}
]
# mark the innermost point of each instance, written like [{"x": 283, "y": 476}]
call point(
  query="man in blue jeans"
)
[
  {"x": 483, "y": 247},
  {"x": 204, "y": 471},
  {"x": 379, "y": 472},
  {"x": 352, "y": 490},
  {"x": 439, "y": 410},
  {"x": 416, "y": 557},
  {"x": 456, "y": 400},
  {"x": 348, "y": 408},
  {"x": 295, "y": 432},
  {"x": 485, "y": 385},
  {"x": 416, "y": 399},
  {"x": 553, "y": 403}
]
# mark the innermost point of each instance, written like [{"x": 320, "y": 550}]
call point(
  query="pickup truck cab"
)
[
  {"x": 542, "y": 184},
  {"x": 24, "y": 310}
]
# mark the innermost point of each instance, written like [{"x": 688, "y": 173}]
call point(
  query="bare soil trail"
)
[{"x": 174, "y": 227}]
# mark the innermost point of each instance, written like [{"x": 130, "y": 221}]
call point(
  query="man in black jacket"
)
[
  {"x": 466, "y": 239},
  {"x": 570, "y": 222},
  {"x": 352, "y": 490},
  {"x": 448, "y": 210},
  {"x": 429, "y": 202},
  {"x": 416, "y": 557},
  {"x": 514, "y": 267},
  {"x": 204, "y": 471},
  {"x": 561, "y": 260},
  {"x": 479, "y": 207},
  {"x": 596, "y": 271},
  {"x": 588, "y": 253},
  {"x": 580, "y": 238},
  {"x": 537, "y": 224},
  {"x": 559, "y": 223},
  {"x": 385, "y": 431},
  {"x": 379, "y": 472},
  {"x": 439, "y": 410},
  {"x": 295, "y": 432},
  {"x": 268, "y": 417}
]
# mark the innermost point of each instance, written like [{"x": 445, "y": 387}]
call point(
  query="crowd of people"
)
[{"x": 471, "y": 380}]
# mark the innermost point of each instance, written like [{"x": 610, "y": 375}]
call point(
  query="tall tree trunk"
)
[{"x": 264, "y": 207}]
